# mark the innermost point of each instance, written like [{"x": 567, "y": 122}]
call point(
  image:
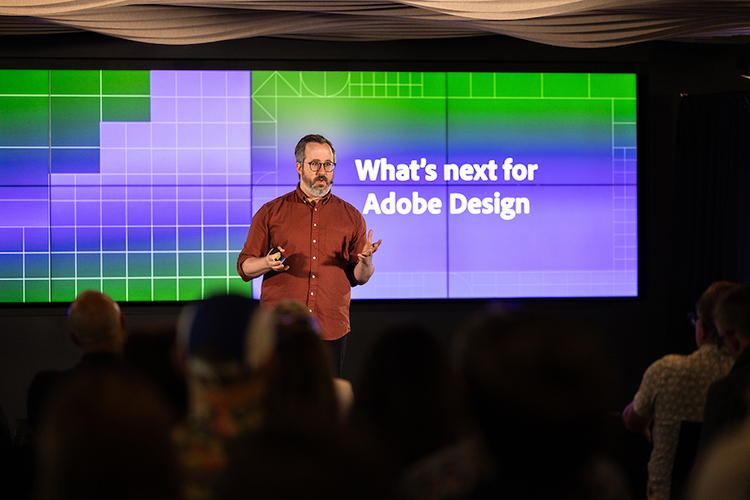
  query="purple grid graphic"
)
[{"x": 167, "y": 189}]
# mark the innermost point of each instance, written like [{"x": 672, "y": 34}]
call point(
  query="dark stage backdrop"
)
[
  {"x": 712, "y": 187},
  {"x": 639, "y": 330}
]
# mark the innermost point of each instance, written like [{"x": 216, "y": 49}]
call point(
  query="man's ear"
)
[
  {"x": 299, "y": 168},
  {"x": 733, "y": 343},
  {"x": 700, "y": 333}
]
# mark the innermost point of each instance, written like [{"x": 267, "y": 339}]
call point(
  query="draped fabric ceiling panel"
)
[{"x": 564, "y": 23}]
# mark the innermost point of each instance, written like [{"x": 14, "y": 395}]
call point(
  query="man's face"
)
[{"x": 315, "y": 184}]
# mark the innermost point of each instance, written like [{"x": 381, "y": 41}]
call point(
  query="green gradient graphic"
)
[
  {"x": 25, "y": 121},
  {"x": 162, "y": 222},
  {"x": 581, "y": 127}
]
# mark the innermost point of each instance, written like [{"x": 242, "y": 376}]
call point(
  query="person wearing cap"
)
[
  {"x": 226, "y": 342},
  {"x": 311, "y": 246}
]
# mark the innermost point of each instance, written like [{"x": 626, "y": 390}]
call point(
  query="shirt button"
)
[
  {"x": 314, "y": 257},
  {"x": 315, "y": 241},
  {"x": 315, "y": 224},
  {"x": 313, "y": 276},
  {"x": 312, "y": 293}
]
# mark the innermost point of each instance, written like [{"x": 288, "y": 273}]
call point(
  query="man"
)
[
  {"x": 97, "y": 327},
  {"x": 323, "y": 248},
  {"x": 673, "y": 391},
  {"x": 727, "y": 401}
]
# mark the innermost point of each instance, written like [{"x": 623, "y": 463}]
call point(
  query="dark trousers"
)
[{"x": 337, "y": 348}]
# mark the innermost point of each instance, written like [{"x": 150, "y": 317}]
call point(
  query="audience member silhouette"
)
[
  {"x": 264, "y": 420},
  {"x": 106, "y": 436},
  {"x": 540, "y": 389},
  {"x": 97, "y": 326},
  {"x": 672, "y": 395},
  {"x": 152, "y": 349},
  {"x": 408, "y": 396},
  {"x": 227, "y": 346},
  {"x": 727, "y": 400},
  {"x": 302, "y": 450},
  {"x": 288, "y": 464},
  {"x": 300, "y": 393},
  {"x": 7, "y": 481},
  {"x": 723, "y": 471},
  {"x": 290, "y": 317}
]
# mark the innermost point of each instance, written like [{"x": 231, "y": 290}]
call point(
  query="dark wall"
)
[{"x": 637, "y": 330}]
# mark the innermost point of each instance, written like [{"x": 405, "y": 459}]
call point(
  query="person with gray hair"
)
[
  {"x": 672, "y": 396},
  {"x": 727, "y": 401},
  {"x": 96, "y": 323},
  {"x": 97, "y": 326}
]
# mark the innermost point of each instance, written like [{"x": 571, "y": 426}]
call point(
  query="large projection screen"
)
[{"x": 142, "y": 184}]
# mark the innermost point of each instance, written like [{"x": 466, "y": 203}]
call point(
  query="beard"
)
[{"x": 318, "y": 192}]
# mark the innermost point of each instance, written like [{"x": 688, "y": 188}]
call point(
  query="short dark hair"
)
[
  {"x": 299, "y": 150},
  {"x": 706, "y": 305},
  {"x": 732, "y": 313}
]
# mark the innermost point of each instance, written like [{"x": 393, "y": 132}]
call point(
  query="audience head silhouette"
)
[
  {"x": 300, "y": 392},
  {"x": 732, "y": 317},
  {"x": 225, "y": 338},
  {"x": 705, "y": 326},
  {"x": 96, "y": 323},
  {"x": 408, "y": 395},
  {"x": 540, "y": 388},
  {"x": 106, "y": 435}
]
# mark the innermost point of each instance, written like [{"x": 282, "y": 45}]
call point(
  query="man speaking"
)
[{"x": 311, "y": 246}]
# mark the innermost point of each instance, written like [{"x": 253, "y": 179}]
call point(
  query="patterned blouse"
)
[{"x": 673, "y": 390}]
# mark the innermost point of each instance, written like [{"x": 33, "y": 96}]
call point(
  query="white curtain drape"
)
[{"x": 565, "y": 23}]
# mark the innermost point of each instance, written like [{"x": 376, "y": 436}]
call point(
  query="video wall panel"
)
[{"x": 142, "y": 184}]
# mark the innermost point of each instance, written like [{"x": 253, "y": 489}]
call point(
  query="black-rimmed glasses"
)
[{"x": 327, "y": 165}]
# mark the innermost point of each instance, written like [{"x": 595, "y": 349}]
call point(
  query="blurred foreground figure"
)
[
  {"x": 302, "y": 391},
  {"x": 727, "y": 400},
  {"x": 227, "y": 344},
  {"x": 152, "y": 350},
  {"x": 409, "y": 400},
  {"x": 723, "y": 471},
  {"x": 540, "y": 390},
  {"x": 301, "y": 450},
  {"x": 97, "y": 326},
  {"x": 106, "y": 436}
]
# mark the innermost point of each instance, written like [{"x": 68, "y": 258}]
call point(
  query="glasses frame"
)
[{"x": 324, "y": 165}]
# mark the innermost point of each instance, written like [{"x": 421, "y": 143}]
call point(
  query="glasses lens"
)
[{"x": 315, "y": 166}]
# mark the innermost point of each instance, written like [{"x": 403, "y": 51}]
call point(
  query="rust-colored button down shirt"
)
[{"x": 321, "y": 242}]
